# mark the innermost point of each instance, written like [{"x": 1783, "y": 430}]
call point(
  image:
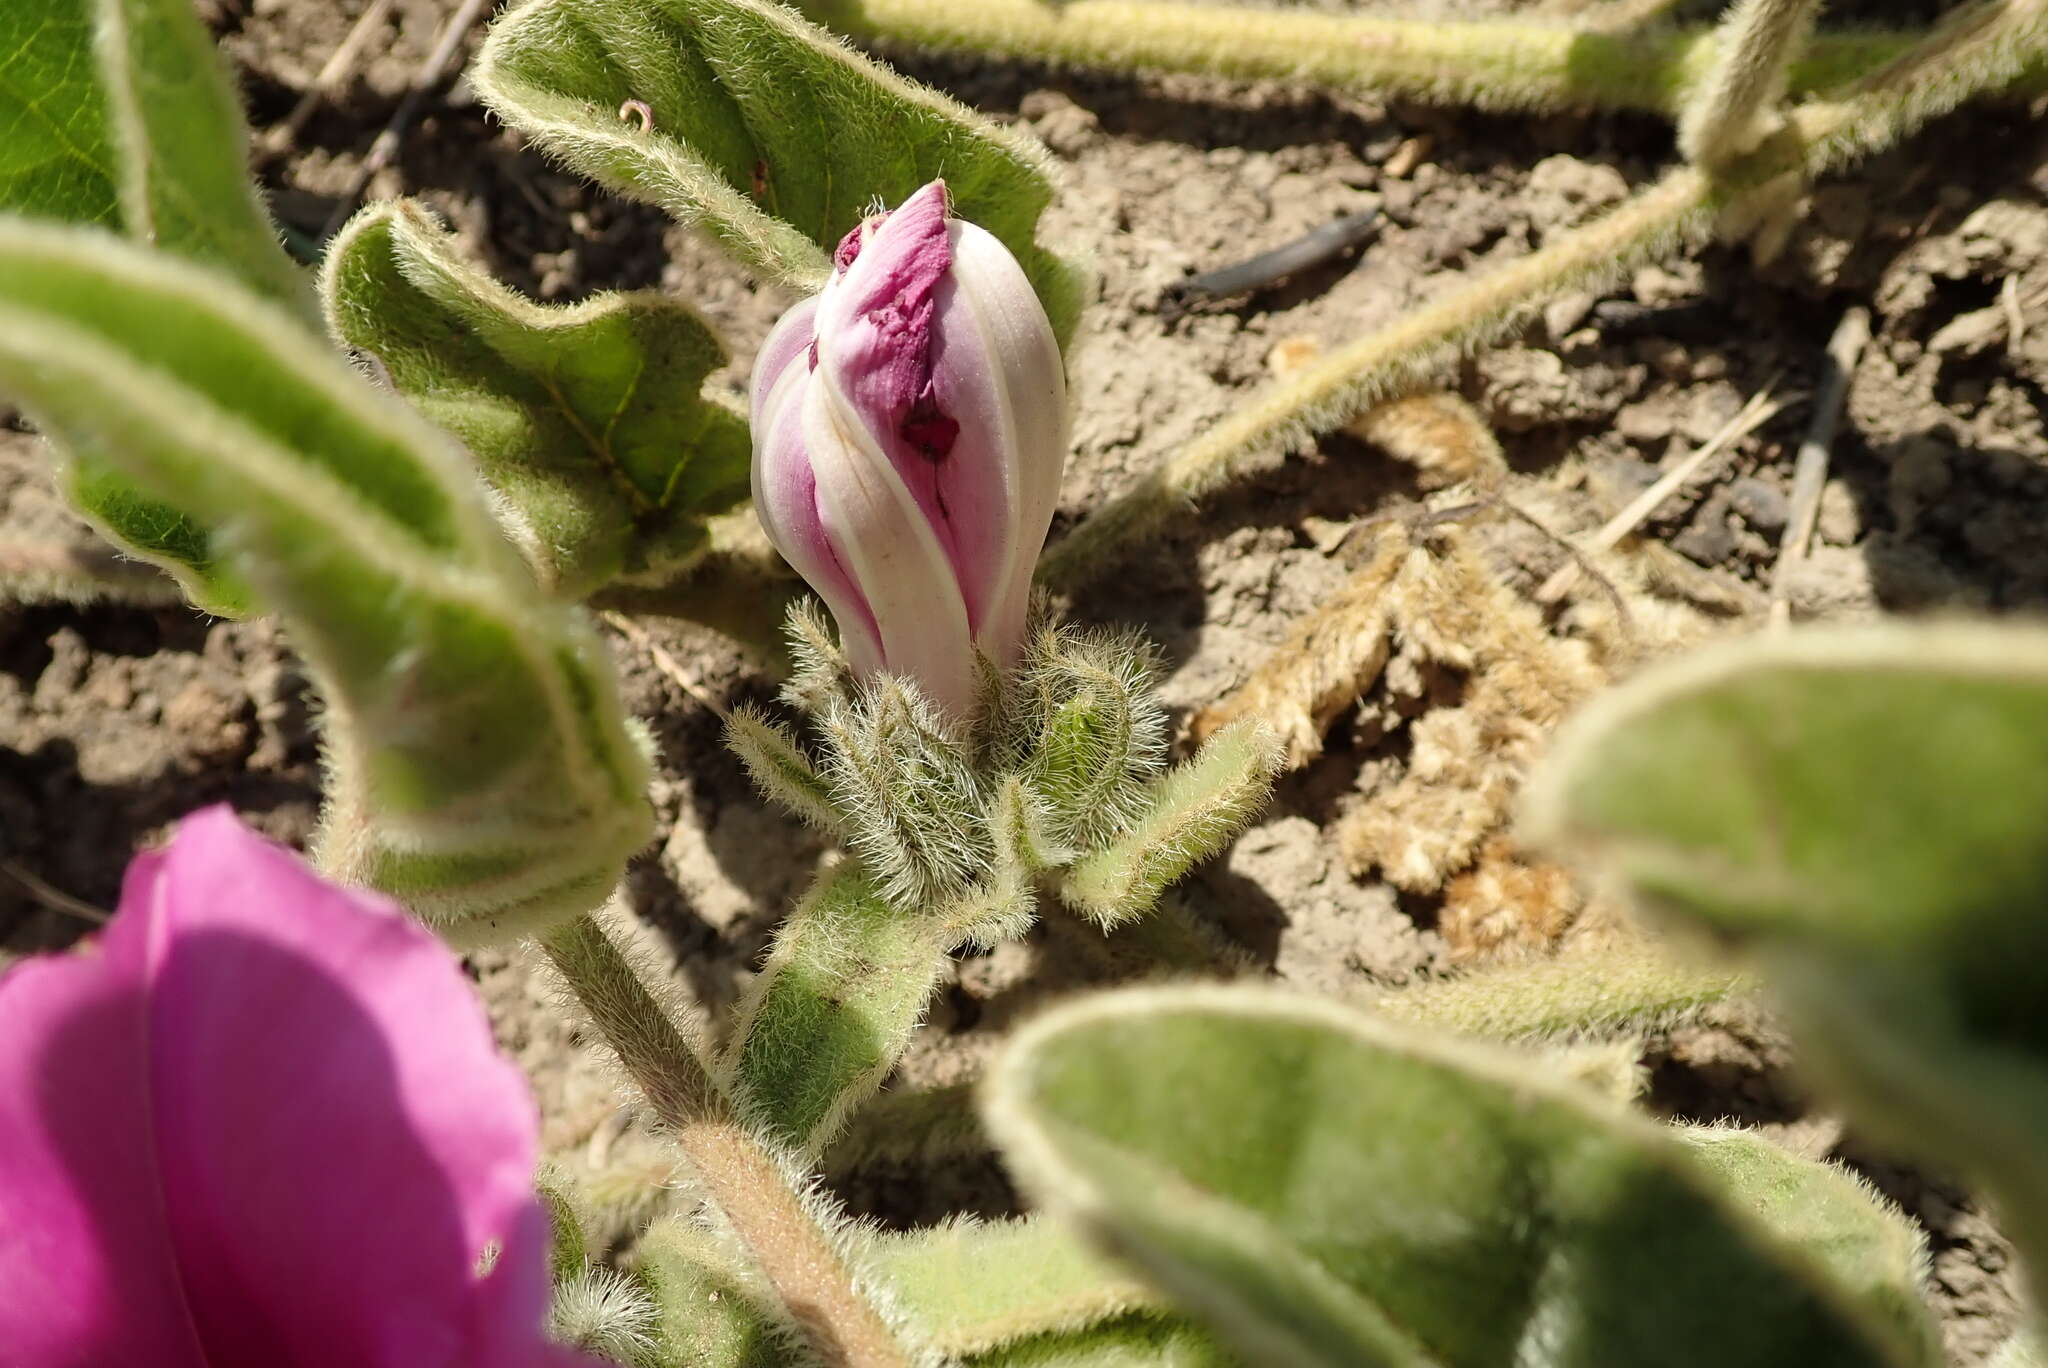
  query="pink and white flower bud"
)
[{"x": 910, "y": 426}]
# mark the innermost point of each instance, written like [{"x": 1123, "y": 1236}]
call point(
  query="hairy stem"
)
[
  {"x": 789, "y": 1238},
  {"x": 1326, "y": 393},
  {"x": 1493, "y": 64},
  {"x": 1977, "y": 48},
  {"x": 791, "y": 1247},
  {"x": 654, "y": 1046},
  {"x": 1734, "y": 108}
]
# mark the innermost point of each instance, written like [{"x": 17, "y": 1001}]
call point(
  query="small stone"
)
[
  {"x": 1709, "y": 540},
  {"x": 1563, "y": 314},
  {"x": 1839, "y": 524},
  {"x": 1658, "y": 286},
  {"x": 1763, "y": 506}
]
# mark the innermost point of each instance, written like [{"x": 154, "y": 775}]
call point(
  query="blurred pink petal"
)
[{"x": 261, "y": 1122}]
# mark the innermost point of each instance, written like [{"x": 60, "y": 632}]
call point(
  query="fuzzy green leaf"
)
[
  {"x": 1138, "y": 1341},
  {"x": 118, "y": 114},
  {"x": 1081, "y": 720},
  {"x": 568, "y": 1248},
  {"x": 1590, "y": 992},
  {"x": 1870, "y": 1247},
  {"x": 1195, "y": 810},
  {"x": 55, "y": 158},
  {"x": 776, "y": 762},
  {"x": 972, "y": 1287},
  {"x": 1866, "y": 812},
  {"x": 712, "y": 1315},
  {"x": 764, "y": 129},
  {"x": 481, "y": 769},
  {"x": 591, "y": 418},
  {"x": 1325, "y": 1188},
  {"x": 830, "y": 1012}
]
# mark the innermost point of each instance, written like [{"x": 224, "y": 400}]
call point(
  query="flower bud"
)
[{"x": 910, "y": 425}]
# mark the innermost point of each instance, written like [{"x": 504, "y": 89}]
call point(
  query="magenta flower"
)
[
  {"x": 910, "y": 425},
  {"x": 260, "y": 1123}
]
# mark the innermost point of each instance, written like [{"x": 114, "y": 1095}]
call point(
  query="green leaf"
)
[
  {"x": 777, "y": 764},
  {"x": 1195, "y": 810},
  {"x": 1138, "y": 1341},
  {"x": 1594, "y": 991},
  {"x": 55, "y": 159},
  {"x": 1866, "y": 813},
  {"x": 712, "y": 1313},
  {"x": 1325, "y": 1189},
  {"x": 591, "y": 419},
  {"x": 763, "y": 129},
  {"x": 482, "y": 771},
  {"x": 118, "y": 114},
  {"x": 568, "y": 1249},
  {"x": 1870, "y": 1247},
  {"x": 971, "y": 1287},
  {"x": 180, "y": 146},
  {"x": 827, "y": 1017}
]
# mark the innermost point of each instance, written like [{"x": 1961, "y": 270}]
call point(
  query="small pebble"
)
[{"x": 1763, "y": 506}]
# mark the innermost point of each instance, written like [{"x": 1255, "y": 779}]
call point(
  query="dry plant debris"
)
[{"x": 1434, "y": 644}]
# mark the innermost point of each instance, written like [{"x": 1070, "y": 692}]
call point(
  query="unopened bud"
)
[{"x": 910, "y": 426}]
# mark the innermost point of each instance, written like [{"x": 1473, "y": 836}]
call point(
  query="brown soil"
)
[{"x": 117, "y": 719}]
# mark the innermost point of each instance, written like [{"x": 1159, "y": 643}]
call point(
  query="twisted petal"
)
[
  {"x": 997, "y": 371},
  {"x": 785, "y": 484},
  {"x": 892, "y": 551},
  {"x": 261, "y": 1122}
]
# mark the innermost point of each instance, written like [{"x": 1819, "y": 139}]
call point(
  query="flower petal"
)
[
  {"x": 997, "y": 370},
  {"x": 887, "y": 545},
  {"x": 86, "y": 1259},
  {"x": 336, "y": 1138},
  {"x": 876, "y": 335},
  {"x": 786, "y": 501},
  {"x": 789, "y": 339}
]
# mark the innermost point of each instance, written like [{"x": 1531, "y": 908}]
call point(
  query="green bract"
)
[{"x": 1061, "y": 784}]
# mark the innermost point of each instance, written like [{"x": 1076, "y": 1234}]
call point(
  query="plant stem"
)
[
  {"x": 1326, "y": 393},
  {"x": 790, "y": 1246},
  {"x": 1735, "y": 107},
  {"x": 789, "y": 1238},
  {"x": 652, "y": 1044},
  {"x": 1979, "y": 47},
  {"x": 1492, "y": 64}
]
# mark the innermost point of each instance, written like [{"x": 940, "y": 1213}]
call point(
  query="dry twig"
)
[
  {"x": 425, "y": 81},
  {"x": 1759, "y": 410},
  {"x": 338, "y": 69},
  {"x": 669, "y": 666},
  {"x": 51, "y": 896},
  {"x": 1810, "y": 472}
]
